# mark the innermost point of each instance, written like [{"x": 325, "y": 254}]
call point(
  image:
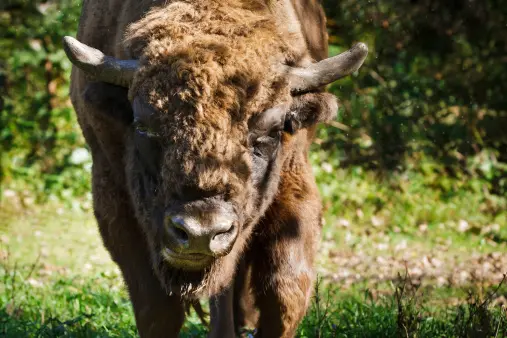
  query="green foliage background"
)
[
  {"x": 429, "y": 99},
  {"x": 41, "y": 147},
  {"x": 431, "y": 94}
]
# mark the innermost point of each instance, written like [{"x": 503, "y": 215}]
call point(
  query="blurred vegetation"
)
[
  {"x": 41, "y": 148},
  {"x": 431, "y": 94},
  {"x": 430, "y": 98}
]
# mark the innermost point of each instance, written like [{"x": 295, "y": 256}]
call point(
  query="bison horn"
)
[
  {"x": 99, "y": 66},
  {"x": 326, "y": 71}
]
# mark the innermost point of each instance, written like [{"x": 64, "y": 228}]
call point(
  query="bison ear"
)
[
  {"x": 110, "y": 100},
  {"x": 310, "y": 109}
]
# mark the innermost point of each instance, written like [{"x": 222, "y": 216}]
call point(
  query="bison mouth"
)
[{"x": 191, "y": 261}]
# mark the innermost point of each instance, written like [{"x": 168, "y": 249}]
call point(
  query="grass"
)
[
  {"x": 98, "y": 307},
  {"x": 57, "y": 280}
]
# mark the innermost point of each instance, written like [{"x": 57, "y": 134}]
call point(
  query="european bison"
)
[{"x": 199, "y": 124}]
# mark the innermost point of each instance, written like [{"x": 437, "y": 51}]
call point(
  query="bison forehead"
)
[
  {"x": 208, "y": 77},
  {"x": 205, "y": 146},
  {"x": 214, "y": 57}
]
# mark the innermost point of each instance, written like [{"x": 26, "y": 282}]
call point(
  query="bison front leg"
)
[
  {"x": 283, "y": 278},
  {"x": 157, "y": 314},
  {"x": 283, "y": 295},
  {"x": 283, "y": 256},
  {"x": 221, "y": 313}
]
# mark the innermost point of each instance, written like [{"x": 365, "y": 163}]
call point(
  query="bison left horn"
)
[
  {"x": 328, "y": 70},
  {"x": 98, "y": 66}
]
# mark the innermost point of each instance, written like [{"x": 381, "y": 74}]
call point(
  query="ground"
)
[{"x": 433, "y": 270}]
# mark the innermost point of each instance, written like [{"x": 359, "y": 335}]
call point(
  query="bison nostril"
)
[
  {"x": 223, "y": 240},
  {"x": 224, "y": 233},
  {"x": 176, "y": 226},
  {"x": 180, "y": 233}
]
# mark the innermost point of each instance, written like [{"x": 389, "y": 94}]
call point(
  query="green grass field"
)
[{"x": 396, "y": 260}]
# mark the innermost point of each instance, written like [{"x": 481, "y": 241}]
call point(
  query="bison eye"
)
[
  {"x": 265, "y": 146},
  {"x": 148, "y": 148},
  {"x": 275, "y": 133},
  {"x": 142, "y": 130}
]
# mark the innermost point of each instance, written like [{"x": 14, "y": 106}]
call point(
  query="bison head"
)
[{"x": 217, "y": 107}]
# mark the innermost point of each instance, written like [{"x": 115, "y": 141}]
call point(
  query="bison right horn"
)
[
  {"x": 98, "y": 66},
  {"x": 328, "y": 70}
]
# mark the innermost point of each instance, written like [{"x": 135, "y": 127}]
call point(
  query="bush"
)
[
  {"x": 431, "y": 90},
  {"x": 41, "y": 147}
]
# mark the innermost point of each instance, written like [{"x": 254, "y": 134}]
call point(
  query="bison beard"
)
[
  {"x": 188, "y": 284},
  {"x": 192, "y": 284}
]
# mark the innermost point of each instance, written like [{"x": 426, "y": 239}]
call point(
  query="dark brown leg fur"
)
[
  {"x": 246, "y": 314},
  {"x": 222, "y": 318},
  {"x": 157, "y": 314}
]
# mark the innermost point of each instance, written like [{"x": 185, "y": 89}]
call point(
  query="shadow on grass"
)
[
  {"x": 34, "y": 305},
  {"x": 111, "y": 318},
  {"x": 78, "y": 327}
]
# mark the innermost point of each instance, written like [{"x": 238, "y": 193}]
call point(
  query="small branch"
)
[
  {"x": 32, "y": 267},
  {"x": 491, "y": 295},
  {"x": 339, "y": 125}
]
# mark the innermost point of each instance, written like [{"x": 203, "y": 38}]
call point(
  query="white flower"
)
[
  {"x": 463, "y": 225},
  {"x": 328, "y": 168},
  {"x": 80, "y": 156},
  {"x": 343, "y": 222}
]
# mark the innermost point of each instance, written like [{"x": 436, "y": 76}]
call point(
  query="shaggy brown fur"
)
[
  {"x": 208, "y": 69},
  {"x": 204, "y": 67}
]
